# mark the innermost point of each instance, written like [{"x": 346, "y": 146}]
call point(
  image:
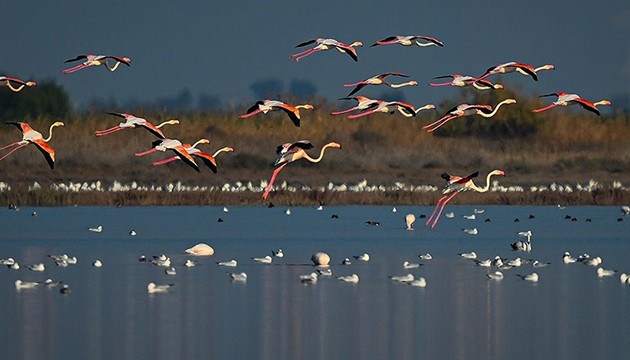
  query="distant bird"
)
[
  {"x": 380, "y": 80},
  {"x": 30, "y": 136},
  {"x": 405, "y": 111},
  {"x": 386, "y": 107},
  {"x": 231, "y": 263},
  {"x": 97, "y": 60},
  {"x": 263, "y": 260},
  {"x": 449, "y": 215},
  {"x": 403, "y": 278},
  {"x": 538, "y": 264},
  {"x": 472, "y": 231},
  {"x": 470, "y": 217},
  {"x": 394, "y": 209},
  {"x": 372, "y": 223},
  {"x": 419, "y": 282},
  {"x": 327, "y": 44},
  {"x": 346, "y": 261},
  {"x": 409, "y": 220},
  {"x": 190, "y": 263},
  {"x": 97, "y": 263},
  {"x": 132, "y": 121},
  {"x": 625, "y": 210},
  {"x": 209, "y": 160},
  {"x": 466, "y": 110},
  {"x": 177, "y": 147},
  {"x": 533, "y": 277},
  {"x": 242, "y": 277},
  {"x": 523, "y": 245},
  {"x": 97, "y": 229},
  {"x": 426, "y": 256},
  {"x": 408, "y": 265},
  {"x": 277, "y": 253},
  {"x": 309, "y": 278},
  {"x": 363, "y": 103},
  {"x": 513, "y": 66},
  {"x": 201, "y": 249},
  {"x": 408, "y": 40},
  {"x": 170, "y": 271},
  {"x": 363, "y": 257},
  {"x": 290, "y": 152},
  {"x": 456, "y": 185},
  {"x": 264, "y": 106},
  {"x": 484, "y": 263},
  {"x": 565, "y": 99},
  {"x": 153, "y": 288},
  {"x": 19, "y": 284},
  {"x": 568, "y": 259},
  {"x": 37, "y": 267},
  {"x": 497, "y": 275},
  {"x": 479, "y": 211},
  {"x": 470, "y": 255},
  {"x": 9, "y": 81},
  {"x": 354, "y": 278},
  {"x": 465, "y": 80}
]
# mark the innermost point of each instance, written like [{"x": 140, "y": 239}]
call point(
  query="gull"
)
[
  {"x": 225, "y": 209},
  {"x": 523, "y": 245},
  {"x": 170, "y": 271},
  {"x": 497, "y": 275},
  {"x": 97, "y": 263},
  {"x": 470, "y": 217},
  {"x": 264, "y": 260},
  {"x": 498, "y": 262},
  {"x": 97, "y": 229},
  {"x": 515, "y": 262},
  {"x": 190, "y": 263},
  {"x": 61, "y": 263},
  {"x": 324, "y": 272},
  {"x": 568, "y": 259},
  {"x": 394, "y": 209},
  {"x": 408, "y": 265},
  {"x": 238, "y": 276},
  {"x": 8, "y": 261},
  {"x": 538, "y": 264},
  {"x": 484, "y": 263},
  {"x": 354, "y": 278},
  {"x": 533, "y": 277},
  {"x": 624, "y": 278},
  {"x": 153, "y": 288},
  {"x": 472, "y": 231},
  {"x": 403, "y": 278},
  {"x": 470, "y": 255},
  {"x": 346, "y": 261},
  {"x": 231, "y": 263},
  {"x": 50, "y": 283},
  {"x": 601, "y": 272},
  {"x": 591, "y": 261},
  {"x": 65, "y": 289},
  {"x": 288, "y": 212},
  {"x": 278, "y": 253},
  {"x": 132, "y": 233},
  {"x": 320, "y": 207},
  {"x": 19, "y": 284},
  {"x": 449, "y": 215},
  {"x": 625, "y": 210},
  {"x": 161, "y": 260},
  {"x": 426, "y": 256},
  {"x": 71, "y": 260},
  {"x": 362, "y": 257},
  {"x": 479, "y": 211},
  {"x": 14, "y": 266},
  {"x": 309, "y": 278},
  {"x": 419, "y": 282},
  {"x": 37, "y": 267}
]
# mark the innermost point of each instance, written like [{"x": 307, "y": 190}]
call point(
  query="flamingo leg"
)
[
  {"x": 108, "y": 131},
  {"x": 545, "y": 108},
  {"x": 165, "y": 161},
  {"x": 146, "y": 152},
  {"x": 437, "y": 217},
  {"x": 365, "y": 113},
  {"x": 11, "y": 144},
  {"x": 353, "y": 84},
  {"x": 74, "y": 68},
  {"x": 12, "y": 151},
  {"x": 273, "y": 179},
  {"x": 436, "y": 208},
  {"x": 310, "y": 52},
  {"x": 436, "y": 124},
  {"x": 300, "y": 53},
  {"x": 441, "y": 84},
  {"x": 245, "y": 116},
  {"x": 344, "y": 111}
]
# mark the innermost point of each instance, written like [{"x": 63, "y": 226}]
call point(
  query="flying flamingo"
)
[
  {"x": 264, "y": 106},
  {"x": 380, "y": 80},
  {"x": 290, "y": 152},
  {"x": 466, "y": 110},
  {"x": 406, "y": 112},
  {"x": 177, "y": 147},
  {"x": 465, "y": 80},
  {"x": 409, "y": 40},
  {"x": 30, "y": 136},
  {"x": 518, "y": 67},
  {"x": 455, "y": 185},
  {"x": 363, "y": 104},
  {"x": 132, "y": 121},
  {"x": 192, "y": 150},
  {"x": 327, "y": 44},
  {"x": 565, "y": 99},
  {"x": 96, "y": 60},
  {"x": 384, "y": 106},
  {"x": 20, "y": 83}
]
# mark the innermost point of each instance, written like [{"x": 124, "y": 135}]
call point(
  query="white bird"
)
[
  {"x": 625, "y": 210},
  {"x": 498, "y": 262},
  {"x": 190, "y": 263},
  {"x": 238, "y": 276},
  {"x": 97, "y": 263},
  {"x": 449, "y": 215},
  {"x": 568, "y": 259},
  {"x": 354, "y": 278},
  {"x": 320, "y": 208},
  {"x": 132, "y": 233},
  {"x": 624, "y": 278},
  {"x": 533, "y": 277},
  {"x": 362, "y": 257},
  {"x": 170, "y": 271},
  {"x": 231, "y": 263},
  {"x": 538, "y": 264},
  {"x": 263, "y": 260},
  {"x": 403, "y": 278},
  {"x": 470, "y": 255},
  {"x": 592, "y": 261},
  {"x": 161, "y": 260},
  {"x": 484, "y": 263},
  {"x": 9, "y": 261},
  {"x": 523, "y": 245},
  {"x": 419, "y": 282},
  {"x": 409, "y": 220},
  {"x": 72, "y": 260},
  {"x": 278, "y": 253},
  {"x": 19, "y": 284},
  {"x": 479, "y": 211},
  {"x": 51, "y": 283},
  {"x": 15, "y": 266},
  {"x": 515, "y": 262},
  {"x": 346, "y": 261},
  {"x": 426, "y": 256},
  {"x": 497, "y": 275},
  {"x": 225, "y": 209},
  {"x": 288, "y": 212},
  {"x": 309, "y": 278},
  {"x": 324, "y": 272},
  {"x": 470, "y": 217},
  {"x": 394, "y": 209},
  {"x": 408, "y": 265},
  {"x": 153, "y": 288},
  {"x": 601, "y": 272},
  {"x": 37, "y": 267},
  {"x": 97, "y": 229},
  {"x": 472, "y": 231}
]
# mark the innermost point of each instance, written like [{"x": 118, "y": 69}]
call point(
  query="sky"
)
[{"x": 221, "y": 48}]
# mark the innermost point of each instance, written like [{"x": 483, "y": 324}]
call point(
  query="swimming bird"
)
[
  {"x": 403, "y": 278},
  {"x": 133, "y": 233},
  {"x": 30, "y": 136},
  {"x": 177, "y": 147},
  {"x": 565, "y": 99},
  {"x": 200, "y": 249},
  {"x": 409, "y": 220},
  {"x": 568, "y": 259},
  {"x": 387, "y": 107},
  {"x": 363, "y": 103},
  {"x": 408, "y": 40},
  {"x": 394, "y": 209},
  {"x": 354, "y": 278},
  {"x": 153, "y": 288},
  {"x": 279, "y": 253},
  {"x": 309, "y": 278},
  {"x": 290, "y": 152},
  {"x": 19, "y": 284},
  {"x": 497, "y": 275},
  {"x": 484, "y": 263},
  {"x": 624, "y": 278},
  {"x": 170, "y": 271},
  {"x": 470, "y": 255},
  {"x": 324, "y": 272},
  {"x": 96, "y": 60},
  {"x": 466, "y": 110},
  {"x": 408, "y": 265},
  {"x": 625, "y": 210},
  {"x": 231, "y": 263},
  {"x": 97, "y": 229},
  {"x": 533, "y": 277},
  {"x": 449, "y": 215},
  {"x": 538, "y": 264},
  {"x": 469, "y": 217},
  {"x": 327, "y": 44},
  {"x": 287, "y": 211},
  {"x": 456, "y": 185},
  {"x": 263, "y": 260},
  {"x": 190, "y": 263},
  {"x": 264, "y": 106},
  {"x": 419, "y": 282},
  {"x": 132, "y": 121},
  {"x": 513, "y": 66},
  {"x": 465, "y": 80},
  {"x": 515, "y": 262},
  {"x": 472, "y": 231},
  {"x": 20, "y": 84},
  {"x": 426, "y": 256},
  {"x": 37, "y": 267},
  {"x": 523, "y": 245},
  {"x": 362, "y": 257},
  {"x": 242, "y": 277},
  {"x": 161, "y": 260},
  {"x": 601, "y": 272},
  {"x": 346, "y": 261},
  {"x": 8, "y": 261},
  {"x": 380, "y": 80},
  {"x": 97, "y": 263}
]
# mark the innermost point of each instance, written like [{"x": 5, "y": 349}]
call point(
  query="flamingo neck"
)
[
  {"x": 225, "y": 149},
  {"x": 15, "y": 89},
  {"x": 306, "y": 106},
  {"x": 50, "y": 132},
  {"x": 113, "y": 68},
  {"x": 169, "y": 122},
  {"x": 483, "y": 189},
  {"x": 197, "y": 143},
  {"x": 425, "y": 44},
  {"x": 408, "y": 83},
  {"x": 321, "y": 154},
  {"x": 493, "y": 111}
]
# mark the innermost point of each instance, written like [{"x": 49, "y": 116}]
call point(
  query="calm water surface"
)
[{"x": 569, "y": 313}]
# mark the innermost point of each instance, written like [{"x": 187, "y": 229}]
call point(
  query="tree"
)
[{"x": 48, "y": 99}]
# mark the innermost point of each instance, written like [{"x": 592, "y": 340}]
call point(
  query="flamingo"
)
[
  {"x": 565, "y": 99},
  {"x": 513, "y": 66},
  {"x": 363, "y": 104},
  {"x": 96, "y": 60},
  {"x": 192, "y": 150},
  {"x": 30, "y": 136},
  {"x": 327, "y": 44},
  {"x": 380, "y": 80},
  {"x": 20, "y": 83},
  {"x": 384, "y": 106},
  {"x": 290, "y": 152},
  {"x": 405, "y": 112},
  {"x": 177, "y": 147},
  {"x": 409, "y": 40},
  {"x": 132, "y": 121},
  {"x": 465, "y": 80},
  {"x": 466, "y": 110},
  {"x": 456, "y": 185},
  {"x": 264, "y": 106}
]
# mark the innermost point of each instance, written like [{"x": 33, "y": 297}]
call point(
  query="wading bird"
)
[
  {"x": 30, "y": 136},
  {"x": 565, "y": 99},
  {"x": 327, "y": 44},
  {"x": 176, "y": 146},
  {"x": 290, "y": 152},
  {"x": 9, "y": 81},
  {"x": 97, "y": 60},
  {"x": 409, "y": 40},
  {"x": 132, "y": 121},
  {"x": 363, "y": 104},
  {"x": 386, "y": 107},
  {"x": 456, "y": 185},
  {"x": 380, "y": 80},
  {"x": 465, "y": 80},
  {"x": 466, "y": 110},
  {"x": 513, "y": 66},
  {"x": 264, "y": 106}
]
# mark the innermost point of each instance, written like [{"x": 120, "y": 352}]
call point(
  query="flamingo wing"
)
[
  {"x": 24, "y": 127},
  {"x": 185, "y": 156},
  {"x": 79, "y": 57},
  {"x": 350, "y": 51},
  {"x": 46, "y": 150},
  {"x": 406, "y": 106},
  {"x": 587, "y": 105},
  {"x": 306, "y": 43},
  {"x": 528, "y": 69},
  {"x": 386, "y": 40},
  {"x": 208, "y": 159},
  {"x": 302, "y": 144},
  {"x": 120, "y": 59},
  {"x": 255, "y": 107},
  {"x": 357, "y": 88},
  {"x": 153, "y": 129},
  {"x": 383, "y": 75},
  {"x": 292, "y": 112},
  {"x": 431, "y": 39}
]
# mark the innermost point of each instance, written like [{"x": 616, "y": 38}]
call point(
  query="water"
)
[{"x": 569, "y": 313}]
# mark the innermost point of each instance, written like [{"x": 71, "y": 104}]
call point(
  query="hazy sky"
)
[{"x": 221, "y": 48}]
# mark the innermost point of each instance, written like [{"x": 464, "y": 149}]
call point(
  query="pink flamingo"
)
[
  {"x": 464, "y": 80},
  {"x": 209, "y": 160},
  {"x": 264, "y": 106},
  {"x": 327, "y": 44},
  {"x": 380, "y": 80},
  {"x": 466, "y": 110},
  {"x": 30, "y": 136},
  {"x": 132, "y": 121},
  {"x": 384, "y": 107},
  {"x": 456, "y": 185},
  {"x": 405, "y": 112},
  {"x": 565, "y": 99},
  {"x": 20, "y": 83},
  {"x": 177, "y": 147},
  {"x": 290, "y": 152},
  {"x": 96, "y": 60},
  {"x": 409, "y": 40},
  {"x": 363, "y": 104},
  {"x": 513, "y": 66}
]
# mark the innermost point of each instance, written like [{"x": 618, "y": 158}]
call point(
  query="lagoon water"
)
[{"x": 569, "y": 313}]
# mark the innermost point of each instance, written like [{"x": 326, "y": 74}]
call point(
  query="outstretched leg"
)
[
  {"x": 11, "y": 144},
  {"x": 12, "y": 151},
  {"x": 436, "y": 124},
  {"x": 74, "y": 68},
  {"x": 437, "y": 217},
  {"x": 545, "y": 108},
  {"x": 273, "y": 178},
  {"x": 165, "y": 161},
  {"x": 108, "y": 131}
]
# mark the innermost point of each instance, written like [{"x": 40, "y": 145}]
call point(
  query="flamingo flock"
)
[{"x": 293, "y": 151}]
